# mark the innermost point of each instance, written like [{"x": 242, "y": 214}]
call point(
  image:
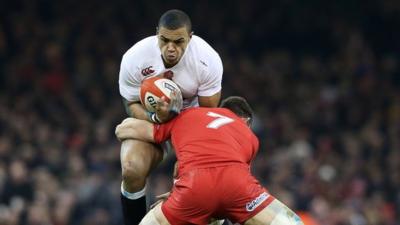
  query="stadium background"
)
[{"x": 322, "y": 76}]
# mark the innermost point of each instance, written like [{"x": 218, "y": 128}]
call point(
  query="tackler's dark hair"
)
[
  {"x": 239, "y": 106},
  {"x": 174, "y": 19}
]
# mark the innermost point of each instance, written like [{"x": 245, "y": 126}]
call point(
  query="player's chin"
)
[{"x": 172, "y": 62}]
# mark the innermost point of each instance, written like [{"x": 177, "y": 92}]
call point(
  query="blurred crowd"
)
[{"x": 322, "y": 77}]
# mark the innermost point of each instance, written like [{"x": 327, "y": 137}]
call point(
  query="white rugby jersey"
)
[{"x": 198, "y": 73}]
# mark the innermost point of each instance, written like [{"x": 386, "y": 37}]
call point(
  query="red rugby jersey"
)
[{"x": 208, "y": 137}]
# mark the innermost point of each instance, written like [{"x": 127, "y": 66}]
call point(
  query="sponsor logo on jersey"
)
[
  {"x": 147, "y": 71},
  {"x": 250, "y": 206}
]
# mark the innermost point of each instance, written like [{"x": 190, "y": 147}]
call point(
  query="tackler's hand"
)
[
  {"x": 166, "y": 111},
  {"x": 176, "y": 102}
]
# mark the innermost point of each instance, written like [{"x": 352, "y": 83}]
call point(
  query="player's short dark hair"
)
[
  {"x": 239, "y": 106},
  {"x": 174, "y": 19}
]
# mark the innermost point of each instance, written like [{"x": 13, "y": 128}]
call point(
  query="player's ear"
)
[
  {"x": 247, "y": 120},
  {"x": 190, "y": 35},
  {"x": 157, "y": 30}
]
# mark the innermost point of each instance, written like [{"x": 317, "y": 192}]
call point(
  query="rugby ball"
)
[{"x": 152, "y": 89}]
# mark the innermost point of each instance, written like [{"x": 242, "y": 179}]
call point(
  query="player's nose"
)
[{"x": 171, "y": 47}]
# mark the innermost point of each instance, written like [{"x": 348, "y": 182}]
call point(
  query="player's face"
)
[{"x": 172, "y": 44}]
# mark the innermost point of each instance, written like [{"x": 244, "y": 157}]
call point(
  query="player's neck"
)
[{"x": 167, "y": 65}]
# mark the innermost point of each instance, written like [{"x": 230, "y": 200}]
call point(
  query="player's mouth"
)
[{"x": 171, "y": 57}]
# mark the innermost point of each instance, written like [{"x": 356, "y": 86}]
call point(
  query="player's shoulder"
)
[
  {"x": 201, "y": 48},
  {"x": 203, "y": 56},
  {"x": 227, "y": 112},
  {"x": 145, "y": 48},
  {"x": 206, "y": 110},
  {"x": 198, "y": 41},
  {"x": 190, "y": 112}
]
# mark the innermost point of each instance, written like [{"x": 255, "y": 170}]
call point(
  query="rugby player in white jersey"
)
[{"x": 193, "y": 65}]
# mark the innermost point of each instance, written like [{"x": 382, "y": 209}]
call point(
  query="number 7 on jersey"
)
[{"x": 219, "y": 121}]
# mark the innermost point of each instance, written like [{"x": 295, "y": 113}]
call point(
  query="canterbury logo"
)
[
  {"x": 147, "y": 71},
  {"x": 250, "y": 206}
]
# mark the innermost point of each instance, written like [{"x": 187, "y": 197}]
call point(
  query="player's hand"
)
[
  {"x": 160, "y": 198},
  {"x": 166, "y": 111},
  {"x": 176, "y": 102}
]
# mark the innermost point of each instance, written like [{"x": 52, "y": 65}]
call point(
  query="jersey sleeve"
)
[
  {"x": 212, "y": 79},
  {"x": 162, "y": 132},
  {"x": 129, "y": 82}
]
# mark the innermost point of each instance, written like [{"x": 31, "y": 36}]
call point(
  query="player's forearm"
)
[
  {"x": 137, "y": 129},
  {"x": 210, "y": 101},
  {"x": 135, "y": 110},
  {"x": 138, "y": 111}
]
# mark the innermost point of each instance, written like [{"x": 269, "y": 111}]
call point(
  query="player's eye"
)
[{"x": 178, "y": 42}]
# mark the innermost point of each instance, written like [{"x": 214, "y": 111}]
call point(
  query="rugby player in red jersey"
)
[{"x": 214, "y": 148}]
